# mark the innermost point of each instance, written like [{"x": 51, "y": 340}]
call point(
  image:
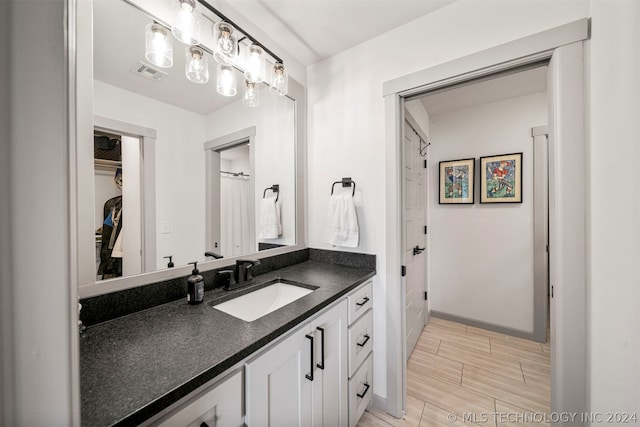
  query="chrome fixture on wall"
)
[{"x": 233, "y": 49}]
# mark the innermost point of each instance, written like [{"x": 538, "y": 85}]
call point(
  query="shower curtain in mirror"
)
[{"x": 235, "y": 222}]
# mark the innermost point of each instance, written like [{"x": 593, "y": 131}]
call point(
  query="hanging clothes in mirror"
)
[{"x": 111, "y": 246}]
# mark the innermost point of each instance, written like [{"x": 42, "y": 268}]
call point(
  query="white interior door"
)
[
  {"x": 414, "y": 257},
  {"x": 132, "y": 207}
]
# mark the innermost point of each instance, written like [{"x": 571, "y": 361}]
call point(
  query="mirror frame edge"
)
[{"x": 84, "y": 125}]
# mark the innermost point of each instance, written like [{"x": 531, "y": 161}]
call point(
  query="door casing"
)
[{"x": 563, "y": 47}]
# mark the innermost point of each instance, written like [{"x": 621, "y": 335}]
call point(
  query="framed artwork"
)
[
  {"x": 457, "y": 180},
  {"x": 501, "y": 178}
]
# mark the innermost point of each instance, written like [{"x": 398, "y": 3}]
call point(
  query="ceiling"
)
[
  {"x": 497, "y": 88},
  {"x": 312, "y": 30}
]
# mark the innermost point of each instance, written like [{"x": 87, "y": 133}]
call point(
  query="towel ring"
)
[
  {"x": 275, "y": 188},
  {"x": 346, "y": 182}
]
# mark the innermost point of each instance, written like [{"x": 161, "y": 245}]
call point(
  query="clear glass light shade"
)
[
  {"x": 251, "y": 96},
  {"x": 226, "y": 44},
  {"x": 186, "y": 26},
  {"x": 254, "y": 68},
  {"x": 279, "y": 80},
  {"x": 196, "y": 65},
  {"x": 226, "y": 80},
  {"x": 158, "y": 46}
]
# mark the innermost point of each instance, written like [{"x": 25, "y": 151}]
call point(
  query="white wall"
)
[
  {"x": 274, "y": 150},
  {"x": 39, "y": 218},
  {"x": 481, "y": 259},
  {"x": 614, "y": 218},
  {"x": 180, "y": 167},
  {"x": 346, "y": 112}
]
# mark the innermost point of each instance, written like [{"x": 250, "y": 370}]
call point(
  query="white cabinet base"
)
[{"x": 360, "y": 391}]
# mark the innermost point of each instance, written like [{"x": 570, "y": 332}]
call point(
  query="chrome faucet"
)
[{"x": 241, "y": 274}]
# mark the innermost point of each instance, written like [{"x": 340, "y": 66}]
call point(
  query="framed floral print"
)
[
  {"x": 501, "y": 178},
  {"x": 457, "y": 180}
]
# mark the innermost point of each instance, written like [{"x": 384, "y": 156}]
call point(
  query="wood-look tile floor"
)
[{"x": 462, "y": 375}]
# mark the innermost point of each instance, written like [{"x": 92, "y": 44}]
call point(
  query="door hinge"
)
[
  {"x": 403, "y": 270},
  {"x": 551, "y": 291},
  {"x": 425, "y": 163},
  {"x": 547, "y": 248},
  {"x": 425, "y": 229},
  {"x": 425, "y": 296}
]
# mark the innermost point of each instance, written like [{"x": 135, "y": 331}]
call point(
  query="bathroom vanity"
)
[{"x": 306, "y": 363}]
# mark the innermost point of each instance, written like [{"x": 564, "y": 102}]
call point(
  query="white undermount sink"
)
[{"x": 263, "y": 301}]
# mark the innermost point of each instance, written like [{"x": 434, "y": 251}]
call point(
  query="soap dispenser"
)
[{"x": 195, "y": 286}]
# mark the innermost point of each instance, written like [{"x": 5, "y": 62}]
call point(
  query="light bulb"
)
[
  {"x": 186, "y": 26},
  {"x": 254, "y": 71},
  {"x": 280, "y": 80},
  {"x": 251, "y": 96},
  {"x": 196, "y": 66},
  {"x": 226, "y": 44},
  {"x": 158, "y": 46},
  {"x": 226, "y": 80}
]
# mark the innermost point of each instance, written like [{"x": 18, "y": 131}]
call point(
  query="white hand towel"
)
[
  {"x": 342, "y": 222},
  {"x": 270, "y": 223}
]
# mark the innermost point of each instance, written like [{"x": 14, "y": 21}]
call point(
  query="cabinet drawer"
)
[
  {"x": 221, "y": 405},
  {"x": 360, "y": 301},
  {"x": 360, "y": 341},
  {"x": 360, "y": 391}
]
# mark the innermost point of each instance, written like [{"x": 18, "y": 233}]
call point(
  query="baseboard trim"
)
[
  {"x": 489, "y": 326},
  {"x": 380, "y": 402}
]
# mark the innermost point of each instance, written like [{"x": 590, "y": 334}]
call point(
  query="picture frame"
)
[
  {"x": 501, "y": 178},
  {"x": 457, "y": 182}
]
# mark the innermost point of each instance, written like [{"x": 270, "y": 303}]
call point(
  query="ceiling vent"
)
[{"x": 147, "y": 71}]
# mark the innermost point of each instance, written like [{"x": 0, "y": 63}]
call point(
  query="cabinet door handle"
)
[
  {"x": 309, "y": 376},
  {"x": 361, "y": 344},
  {"x": 366, "y": 389},
  {"x": 321, "y": 364},
  {"x": 363, "y": 302}
]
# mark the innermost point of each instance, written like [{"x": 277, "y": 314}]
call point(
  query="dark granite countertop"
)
[{"x": 134, "y": 366}]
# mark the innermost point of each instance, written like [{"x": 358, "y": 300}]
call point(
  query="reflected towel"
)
[
  {"x": 342, "y": 222},
  {"x": 270, "y": 223}
]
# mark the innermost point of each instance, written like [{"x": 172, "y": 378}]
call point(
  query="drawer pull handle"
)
[
  {"x": 321, "y": 364},
  {"x": 363, "y": 302},
  {"x": 310, "y": 375},
  {"x": 366, "y": 389},
  {"x": 362, "y": 344}
]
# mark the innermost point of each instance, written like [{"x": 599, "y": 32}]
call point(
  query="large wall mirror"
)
[{"x": 175, "y": 172}]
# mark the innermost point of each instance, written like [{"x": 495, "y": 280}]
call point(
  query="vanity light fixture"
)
[
  {"x": 186, "y": 26},
  {"x": 251, "y": 96},
  {"x": 279, "y": 80},
  {"x": 197, "y": 65},
  {"x": 158, "y": 46},
  {"x": 254, "y": 71},
  {"x": 226, "y": 80},
  {"x": 226, "y": 44},
  {"x": 226, "y": 49}
]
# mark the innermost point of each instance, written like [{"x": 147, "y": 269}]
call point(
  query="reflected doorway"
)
[
  {"x": 118, "y": 165},
  {"x": 230, "y": 193}
]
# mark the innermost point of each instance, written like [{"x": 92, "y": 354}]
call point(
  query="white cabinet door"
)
[
  {"x": 278, "y": 385},
  {"x": 330, "y": 385},
  {"x": 219, "y": 406}
]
